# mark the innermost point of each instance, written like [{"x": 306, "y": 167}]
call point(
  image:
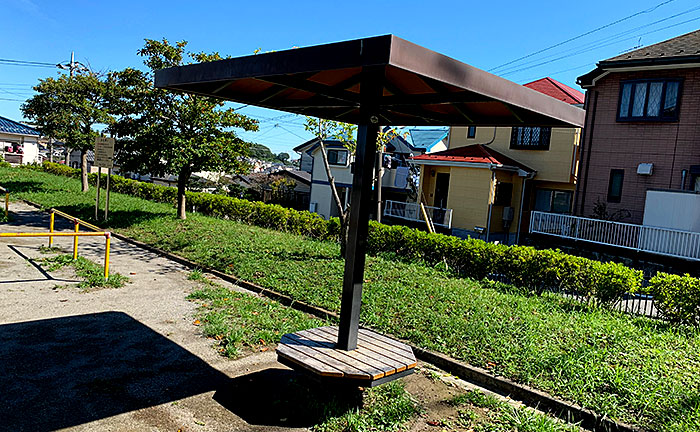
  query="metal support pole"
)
[
  {"x": 7, "y": 204},
  {"x": 380, "y": 174},
  {"x": 372, "y": 83},
  {"x": 109, "y": 174},
  {"x": 360, "y": 207},
  {"x": 97, "y": 199},
  {"x": 51, "y": 225},
  {"x": 75, "y": 241},
  {"x": 107, "y": 241}
]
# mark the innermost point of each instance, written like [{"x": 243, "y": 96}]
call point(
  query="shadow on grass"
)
[
  {"x": 117, "y": 218},
  {"x": 282, "y": 397},
  {"x": 19, "y": 186}
]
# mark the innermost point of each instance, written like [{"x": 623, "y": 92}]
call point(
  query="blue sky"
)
[{"x": 485, "y": 34}]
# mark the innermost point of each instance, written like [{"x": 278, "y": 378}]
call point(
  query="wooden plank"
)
[
  {"x": 320, "y": 354},
  {"x": 328, "y": 349},
  {"x": 356, "y": 357},
  {"x": 390, "y": 353},
  {"x": 387, "y": 340},
  {"x": 377, "y": 358},
  {"x": 308, "y": 362}
]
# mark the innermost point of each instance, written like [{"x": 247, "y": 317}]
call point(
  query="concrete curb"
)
[{"x": 534, "y": 398}]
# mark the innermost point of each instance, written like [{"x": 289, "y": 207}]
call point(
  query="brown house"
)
[{"x": 642, "y": 129}]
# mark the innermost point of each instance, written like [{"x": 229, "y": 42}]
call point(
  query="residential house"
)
[
  {"x": 396, "y": 178},
  {"x": 489, "y": 178},
  {"x": 640, "y": 152},
  {"x": 19, "y": 142}
]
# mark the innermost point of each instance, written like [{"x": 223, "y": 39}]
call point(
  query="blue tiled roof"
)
[
  {"x": 426, "y": 138},
  {"x": 10, "y": 126}
]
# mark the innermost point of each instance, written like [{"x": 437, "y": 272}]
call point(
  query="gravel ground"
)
[{"x": 115, "y": 359}]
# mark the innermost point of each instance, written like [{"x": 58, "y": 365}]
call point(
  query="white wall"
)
[{"x": 677, "y": 210}]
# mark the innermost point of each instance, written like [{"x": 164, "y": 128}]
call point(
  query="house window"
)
[
  {"x": 530, "y": 138},
  {"x": 615, "y": 185},
  {"x": 471, "y": 132},
  {"x": 554, "y": 201},
  {"x": 337, "y": 157},
  {"x": 649, "y": 100},
  {"x": 504, "y": 194}
]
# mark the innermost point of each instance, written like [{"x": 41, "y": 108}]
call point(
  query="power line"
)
[
  {"x": 585, "y": 34},
  {"x": 600, "y": 46},
  {"x": 13, "y": 62},
  {"x": 598, "y": 43}
]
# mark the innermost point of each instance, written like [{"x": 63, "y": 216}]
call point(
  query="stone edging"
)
[{"x": 567, "y": 411}]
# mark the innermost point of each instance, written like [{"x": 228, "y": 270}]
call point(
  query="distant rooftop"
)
[
  {"x": 424, "y": 139},
  {"x": 557, "y": 90},
  {"x": 680, "y": 46},
  {"x": 678, "y": 50},
  {"x": 13, "y": 127},
  {"x": 472, "y": 154}
]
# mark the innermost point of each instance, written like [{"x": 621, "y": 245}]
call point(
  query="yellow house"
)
[{"x": 489, "y": 179}]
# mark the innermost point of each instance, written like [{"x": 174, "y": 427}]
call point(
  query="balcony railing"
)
[
  {"x": 412, "y": 212},
  {"x": 656, "y": 240}
]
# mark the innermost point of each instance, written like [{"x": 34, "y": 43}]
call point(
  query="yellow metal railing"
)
[
  {"x": 75, "y": 236},
  {"x": 77, "y": 222},
  {"x": 7, "y": 200}
]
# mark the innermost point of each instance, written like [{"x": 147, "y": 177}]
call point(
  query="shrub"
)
[
  {"x": 524, "y": 266},
  {"x": 677, "y": 297}
]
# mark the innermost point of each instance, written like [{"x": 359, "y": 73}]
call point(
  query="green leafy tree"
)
[
  {"x": 163, "y": 132},
  {"x": 346, "y": 133},
  {"x": 283, "y": 157},
  {"x": 261, "y": 152},
  {"x": 68, "y": 108}
]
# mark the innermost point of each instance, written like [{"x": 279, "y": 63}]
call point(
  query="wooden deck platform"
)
[{"x": 377, "y": 359}]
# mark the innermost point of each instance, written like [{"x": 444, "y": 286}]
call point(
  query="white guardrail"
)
[
  {"x": 656, "y": 240},
  {"x": 412, "y": 212}
]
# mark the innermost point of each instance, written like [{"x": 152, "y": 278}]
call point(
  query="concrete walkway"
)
[{"x": 127, "y": 359}]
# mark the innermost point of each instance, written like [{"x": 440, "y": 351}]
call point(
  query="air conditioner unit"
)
[{"x": 645, "y": 169}]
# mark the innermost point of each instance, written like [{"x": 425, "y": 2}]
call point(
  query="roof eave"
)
[{"x": 588, "y": 79}]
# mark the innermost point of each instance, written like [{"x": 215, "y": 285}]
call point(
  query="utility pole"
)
[{"x": 71, "y": 67}]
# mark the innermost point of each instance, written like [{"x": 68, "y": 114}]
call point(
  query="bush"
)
[
  {"x": 524, "y": 266},
  {"x": 677, "y": 297}
]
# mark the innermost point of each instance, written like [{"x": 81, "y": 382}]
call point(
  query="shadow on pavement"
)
[
  {"x": 63, "y": 372},
  {"x": 283, "y": 397}
]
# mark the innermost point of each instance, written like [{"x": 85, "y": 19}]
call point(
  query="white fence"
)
[
  {"x": 661, "y": 241},
  {"x": 412, "y": 212}
]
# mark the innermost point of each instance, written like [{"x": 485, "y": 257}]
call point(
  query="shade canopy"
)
[{"x": 418, "y": 86}]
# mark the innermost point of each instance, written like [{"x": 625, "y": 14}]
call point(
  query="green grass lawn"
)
[{"x": 632, "y": 369}]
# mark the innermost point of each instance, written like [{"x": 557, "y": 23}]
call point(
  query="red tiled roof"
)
[
  {"x": 476, "y": 153},
  {"x": 557, "y": 90}
]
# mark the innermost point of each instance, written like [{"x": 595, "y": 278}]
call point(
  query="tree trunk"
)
[
  {"x": 83, "y": 170},
  {"x": 182, "y": 180}
]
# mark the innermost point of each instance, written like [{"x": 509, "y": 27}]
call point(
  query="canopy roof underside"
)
[{"x": 419, "y": 86}]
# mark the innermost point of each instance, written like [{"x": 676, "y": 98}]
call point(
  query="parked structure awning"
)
[
  {"x": 418, "y": 86},
  {"x": 375, "y": 81}
]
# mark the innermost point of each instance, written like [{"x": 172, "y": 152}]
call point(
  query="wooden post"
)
[{"x": 360, "y": 208}]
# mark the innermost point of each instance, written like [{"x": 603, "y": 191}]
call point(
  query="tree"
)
[
  {"x": 68, "y": 108},
  {"x": 165, "y": 132},
  {"x": 346, "y": 134},
  {"x": 283, "y": 157},
  {"x": 261, "y": 152}
]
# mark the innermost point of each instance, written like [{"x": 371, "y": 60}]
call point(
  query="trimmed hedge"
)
[{"x": 677, "y": 297}]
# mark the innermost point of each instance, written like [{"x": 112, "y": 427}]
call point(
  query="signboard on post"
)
[{"x": 104, "y": 152}]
